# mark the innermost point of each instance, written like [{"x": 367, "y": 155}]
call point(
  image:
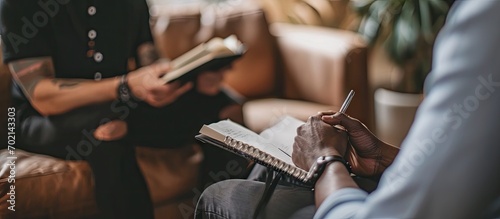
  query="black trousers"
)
[{"x": 121, "y": 191}]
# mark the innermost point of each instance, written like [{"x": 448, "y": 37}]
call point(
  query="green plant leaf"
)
[
  {"x": 380, "y": 9},
  {"x": 369, "y": 28},
  {"x": 402, "y": 42},
  {"x": 373, "y": 20},
  {"x": 361, "y": 6},
  {"x": 426, "y": 21},
  {"x": 440, "y": 7},
  {"x": 411, "y": 27}
]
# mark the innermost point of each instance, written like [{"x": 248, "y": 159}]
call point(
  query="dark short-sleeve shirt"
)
[{"x": 86, "y": 38}]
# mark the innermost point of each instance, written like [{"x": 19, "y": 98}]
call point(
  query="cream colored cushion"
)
[{"x": 263, "y": 113}]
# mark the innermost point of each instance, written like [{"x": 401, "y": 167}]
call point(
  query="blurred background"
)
[
  {"x": 398, "y": 36},
  {"x": 303, "y": 56}
]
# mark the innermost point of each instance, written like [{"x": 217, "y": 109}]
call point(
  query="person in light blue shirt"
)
[{"x": 448, "y": 165}]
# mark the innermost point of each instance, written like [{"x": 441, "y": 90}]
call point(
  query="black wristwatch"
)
[
  {"x": 124, "y": 92},
  {"x": 319, "y": 166}
]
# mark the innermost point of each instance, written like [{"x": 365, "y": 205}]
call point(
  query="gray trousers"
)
[{"x": 237, "y": 199}]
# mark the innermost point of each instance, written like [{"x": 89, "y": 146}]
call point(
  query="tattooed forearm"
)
[
  {"x": 29, "y": 72},
  {"x": 66, "y": 83},
  {"x": 147, "y": 54}
]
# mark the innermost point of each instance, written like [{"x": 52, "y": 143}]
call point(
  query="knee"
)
[
  {"x": 229, "y": 199},
  {"x": 210, "y": 197},
  {"x": 215, "y": 202}
]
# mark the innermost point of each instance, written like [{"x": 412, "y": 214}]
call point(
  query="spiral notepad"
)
[{"x": 271, "y": 148}]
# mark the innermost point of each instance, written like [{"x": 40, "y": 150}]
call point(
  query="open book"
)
[
  {"x": 212, "y": 55},
  {"x": 272, "y": 148}
]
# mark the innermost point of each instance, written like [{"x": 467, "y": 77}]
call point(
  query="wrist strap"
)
[
  {"x": 124, "y": 93},
  {"x": 321, "y": 163},
  {"x": 332, "y": 158}
]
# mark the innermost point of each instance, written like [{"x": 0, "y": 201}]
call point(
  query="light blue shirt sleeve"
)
[
  {"x": 343, "y": 204},
  {"x": 449, "y": 164}
]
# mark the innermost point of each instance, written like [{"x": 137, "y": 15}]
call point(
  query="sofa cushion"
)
[
  {"x": 323, "y": 64},
  {"x": 263, "y": 113},
  {"x": 45, "y": 186},
  {"x": 55, "y": 188},
  {"x": 315, "y": 56}
]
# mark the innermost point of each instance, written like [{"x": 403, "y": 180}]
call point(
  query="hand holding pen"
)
[
  {"x": 317, "y": 138},
  {"x": 342, "y": 110},
  {"x": 368, "y": 155}
]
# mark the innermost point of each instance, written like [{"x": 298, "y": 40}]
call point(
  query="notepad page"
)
[
  {"x": 242, "y": 134},
  {"x": 282, "y": 134}
]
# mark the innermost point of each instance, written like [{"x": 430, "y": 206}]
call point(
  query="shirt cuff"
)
[{"x": 341, "y": 204}]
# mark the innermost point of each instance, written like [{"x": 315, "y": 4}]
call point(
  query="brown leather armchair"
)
[{"x": 288, "y": 69}]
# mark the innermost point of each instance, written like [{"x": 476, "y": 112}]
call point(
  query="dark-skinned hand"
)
[
  {"x": 316, "y": 138},
  {"x": 365, "y": 152}
]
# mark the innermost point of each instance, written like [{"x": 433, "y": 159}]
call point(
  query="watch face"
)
[
  {"x": 320, "y": 160},
  {"x": 124, "y": 94}
]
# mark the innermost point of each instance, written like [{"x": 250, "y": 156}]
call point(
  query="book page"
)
[
  {"x": 216, "y": 46},
  {"x": 234, "y": 130},
  {"x": 227, "y": 49},
  {"x": 242, "y": 134},
  {"x": 188, "y": 57},
  {"x": 282, "y": 134}
]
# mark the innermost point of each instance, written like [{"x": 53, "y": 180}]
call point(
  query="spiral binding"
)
[{"x": 265, "y": 159}]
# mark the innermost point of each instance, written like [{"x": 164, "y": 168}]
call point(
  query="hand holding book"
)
[{"x": 213, "y": 55}]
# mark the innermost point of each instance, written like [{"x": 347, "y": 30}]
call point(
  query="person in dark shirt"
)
[{"x": 77, "y": 97}]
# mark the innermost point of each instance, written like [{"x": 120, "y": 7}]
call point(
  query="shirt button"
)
[
  {"x": 90, "y": 53},
  {"x": 92, "y": 10},
  {"x": 97, "y": 76},
  {"x": 92, "y": 34},
  {"x": 98, "y": 57}
]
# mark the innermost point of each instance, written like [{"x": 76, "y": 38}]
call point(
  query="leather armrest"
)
[
  {"x": 321, "y": 65},
  {"x": 46, "y": 186}
]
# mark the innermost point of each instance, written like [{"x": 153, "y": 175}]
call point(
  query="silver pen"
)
[
  {"x": 347, "y": 101},
  {"x": 343, "y": 108}
]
